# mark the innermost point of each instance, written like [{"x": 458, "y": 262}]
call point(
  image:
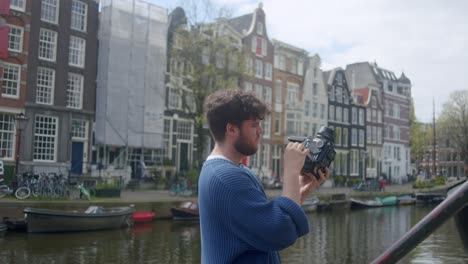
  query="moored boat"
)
[
  {"x": 310, "y": 204},
  {"x": 362, "y": 204},
  {"x": 143, "y": 217},
  {"x": 429, "y": 198},
  {"x": 186, "y": 211},
  {"x": 406, "y": 200},
  {"x": 94, "y": 218},
  {"x": 387, "y": 201},
  {"x": 3, "y": 230}
]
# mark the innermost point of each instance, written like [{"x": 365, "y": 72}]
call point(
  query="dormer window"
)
[{"x": 260, "y": 28}]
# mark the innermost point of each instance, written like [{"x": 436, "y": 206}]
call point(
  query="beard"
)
[{"x": 243, "y": 147}]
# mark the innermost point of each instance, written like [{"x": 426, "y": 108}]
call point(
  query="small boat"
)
[
  {"x": 362, "y": 204},
  {"x": 93, "y": 218},
  {"x": 186, "y": 211},
  {"x": 387, "y": 201},
  {"x": 429, "y": 198},
  {"x": 310, "y": 204},
  {"x": 406, "y": 200},
  {"x": 143, "y": 217},
  {"x": 16, "y": 224}
]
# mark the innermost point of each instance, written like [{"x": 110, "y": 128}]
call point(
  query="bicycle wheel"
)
[
  {"x": 22, "y": 193},
  {"x": 4, "y": 190}
]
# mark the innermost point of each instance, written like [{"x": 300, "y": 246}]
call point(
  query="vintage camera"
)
[{"x": 321, "y": 150}]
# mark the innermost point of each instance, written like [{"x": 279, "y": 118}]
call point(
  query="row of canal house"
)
[{"x": 95, "y": 115}]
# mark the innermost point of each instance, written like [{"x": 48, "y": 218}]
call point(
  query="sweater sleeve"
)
[{"x": 266, "y": 225}]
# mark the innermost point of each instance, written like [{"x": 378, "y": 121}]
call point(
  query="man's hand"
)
[
  {"x": 294, "y": 157},
  {"x": 309, "y": 182}
]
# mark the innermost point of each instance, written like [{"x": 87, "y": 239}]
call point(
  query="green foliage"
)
[
  {"x": 419, "y": 184},
  {"x": 193, "y": 175},
  {"x": 353, "y": 181},
  {"x": 340, "y": 179},
  {"x": 107, "y": 186},
  {"x": 440, "y": 180}
]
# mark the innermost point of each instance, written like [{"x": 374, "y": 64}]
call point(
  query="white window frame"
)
[
  {"x": 48, "y": 6},
  {"x": 77, "y": 17},
  {"x": 344, "y": 140},
  {"x": 47, "y": 45},
  {"x": 268, "y": 71},
  {"x": 18, "y": 5},
  {"x": 45, "y": 88},
  {"x": 361, "y": 116},
  {"x": 79, "y": 129},
  {"x": 267, "y": 96},
  {"x": 266, "y": 125},
  {"x": 361, "y": 138},
  {"x": 279, "y": 91},
  {"x": 175, "y": 100},
  {"x": 338, "y": 136},
  {"x": 75, "y": 86},
  {"x": 265, "y": 156},
  {"x": 258, "y": 68},
  {"x": 277, "y": 123},
  {"x": 7, "y": 136},
  {"x": 354, "y": 137},
  {"x": 11, "y": 87},
  {"x": 77, "y": 52},
  {"x": 49, "y": 137},
  {"x": 354, "y": 162},
  {"x": 17, "y": 37},
  {"x": 292, "y": 93},
  {"x": 331, "y": 112}
]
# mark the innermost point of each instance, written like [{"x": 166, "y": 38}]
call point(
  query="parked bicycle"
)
[
  {"x": 180, "y": 188},
  {"x": 21, "y": 193}
]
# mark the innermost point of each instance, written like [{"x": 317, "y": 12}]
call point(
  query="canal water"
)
[{"x": 339, "y": 237}]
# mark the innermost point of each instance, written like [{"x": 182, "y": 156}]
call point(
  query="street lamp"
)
[{"x": 21, "y": 123}]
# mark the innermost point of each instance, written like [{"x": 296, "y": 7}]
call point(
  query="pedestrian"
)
[{"x": 239, "y": 224}]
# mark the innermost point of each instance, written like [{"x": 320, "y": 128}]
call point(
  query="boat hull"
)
[
  {"x": 184, "y": 214},
  {"x": 143, "y": 217},
  {"x": 45, "y": 221},
  {"x": 363, "y": 204}
]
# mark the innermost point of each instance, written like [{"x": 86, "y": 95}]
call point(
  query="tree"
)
[
  {"x": 417, "y": 136},
  {"x": 206, "y": 57},
  {"x": 454, "y": 121}
]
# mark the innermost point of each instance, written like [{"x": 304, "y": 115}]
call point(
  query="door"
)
[
  {"x": 77, "y": 158},
  {"x": 183, "y": 157}
]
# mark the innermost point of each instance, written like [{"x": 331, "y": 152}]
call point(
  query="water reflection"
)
[{"x": 346, "y": 237}]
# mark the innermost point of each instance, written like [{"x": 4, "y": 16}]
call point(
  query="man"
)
[{"x": 238, "y": 223}]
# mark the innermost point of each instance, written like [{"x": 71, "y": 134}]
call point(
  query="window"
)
[
  {"x": 258, "y": 68},
  {"x": 174, "y": 99},
  {"x": 345, "y": 137},
  {"x": 306, "y": 129},
  {"x": 361, "y": 137},
  {"x": 267, "y": 94},
  {"x": 293, "y": 65},
  {"x": 361, "y": 116},
  {"x": 396, "y": 110},
  {"x": 315, "y": 109},
  {"x": 353, "y": 162},
  {"x": 292, "y": 93},
  {"x": 307, "y": 108},
  {"x": 331, "y": 112},
  {"x": 19, "y": 5},
  {"x": 268, "y": 71},
  {"x": 339, "y": 94},
  {"x": 75, "y": 91},
  {"x": 345, "y": 115},
  {"x": 368, "y": 112},
  {"x": 379, "y": 116},
  {"x": 396, "y": 131},
  {"x": 45, "y": 86},
  {"x": 379, "y": 135},
  {"x": 339, "y": 114},
  {"x": 354, "y": 118},
  {"x": 47, "y": 44},
  {"x": 277, "y": 123},
  {"x": 76, "y": 55},
  {"x": 11, "y": 80},
  {"x": 369, "y": 134},
  {"x": 15, "y": 38},
  {"x": 79, "y": 129},
  {"x": 293, "y": 123},
  {"x": 338, "y": 136},
  {"x": 344, "y": 163},
  {"x": 7, "y": 135},
  {"x": 49, "y": 11},
  {"x": 79, "y": 11},
  {"x": 259, "y": 90},
  {"x": 314, "y": 88},
  {"x": 247, "y": 86},
  {"x": 279, "y": 91},
  {"x": 266, "y": 156},
  {"x": 354, "y": 136},
  {"x": 45, "y": 138},
  {"x": 322, "y": 111},
  {"x": 260, "y": 28},
  {"x": 184, "y": 130},
  {"x": 266, "y": 127}
]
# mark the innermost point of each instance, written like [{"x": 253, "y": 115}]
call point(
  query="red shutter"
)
[
  {"x": 4, "y": 7},
  {"x": 4, "y": 41},
  {"x": 259, "y": 46}
]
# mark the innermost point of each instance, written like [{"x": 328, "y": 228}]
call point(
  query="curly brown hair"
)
[{"x": 232, "y": 106}]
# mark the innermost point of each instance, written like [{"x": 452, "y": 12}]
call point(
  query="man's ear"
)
[{"x": 231, "y": 129}]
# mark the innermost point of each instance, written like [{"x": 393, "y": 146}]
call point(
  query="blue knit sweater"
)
[{"x": 238, "y": 223}]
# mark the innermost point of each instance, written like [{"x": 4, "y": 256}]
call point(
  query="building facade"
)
[
  {"x": 15, "y": 21},
  {"x": 60, "y": 90},
  {"x": 396, "y": 97}
]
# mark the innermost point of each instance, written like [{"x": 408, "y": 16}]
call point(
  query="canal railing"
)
[{"x": 456, "y": 205}]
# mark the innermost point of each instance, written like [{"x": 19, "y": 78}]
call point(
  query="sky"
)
[{"x": 425, "y": 39}]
